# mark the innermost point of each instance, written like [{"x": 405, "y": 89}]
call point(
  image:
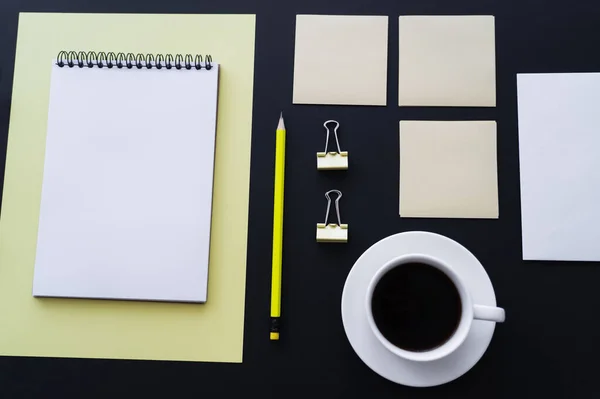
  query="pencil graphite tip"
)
[{"x": 281, "y": 125}]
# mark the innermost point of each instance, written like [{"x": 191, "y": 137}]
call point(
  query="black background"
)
[{"x": 550, "y": 341}]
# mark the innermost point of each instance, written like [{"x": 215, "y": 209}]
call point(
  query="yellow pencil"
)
[{"x": 277, "y": 229}]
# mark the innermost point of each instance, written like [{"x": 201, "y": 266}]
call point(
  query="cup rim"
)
[{"x": 464, "y": 324}]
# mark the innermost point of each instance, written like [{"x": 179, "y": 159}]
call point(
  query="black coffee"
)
[{"x": 416, "y": 307}]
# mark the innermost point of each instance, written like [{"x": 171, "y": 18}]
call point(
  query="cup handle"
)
[{"x": 489, "y": 313}]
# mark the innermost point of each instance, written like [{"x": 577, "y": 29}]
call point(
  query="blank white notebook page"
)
[
  {"x": 559, "y": 137},
  {"x": 128, "y": 179}
]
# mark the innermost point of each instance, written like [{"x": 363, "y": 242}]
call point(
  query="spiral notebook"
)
[{"x": 127, "y": 189}]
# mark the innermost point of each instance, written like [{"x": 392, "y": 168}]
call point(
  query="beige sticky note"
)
[
  {"x": 341, "y": 59},
  {"x": 447, "y": 61},
  {"x": 126, "y": 329},
  {"x": 448, "y": 169}
]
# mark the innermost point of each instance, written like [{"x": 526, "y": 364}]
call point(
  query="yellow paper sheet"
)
[{"x": 117, "y": 329}]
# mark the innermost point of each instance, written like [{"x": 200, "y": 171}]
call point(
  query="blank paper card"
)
[
  {"x": 448, "y": 169},
  {"x": 559, "y": 137},
  {"x": 127, "y": 190},
  {"x": 341, "y": 59},
  {"x": 447, "y": 60}
]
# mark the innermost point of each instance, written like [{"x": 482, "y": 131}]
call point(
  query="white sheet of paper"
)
[
  {"x": 447, "y": 61},
  {"x": 127, "y": 191},
  {"x": 448, "y": 169},
  {"x": 341, "y": 59},
  {"x": 559, "y": 137}
]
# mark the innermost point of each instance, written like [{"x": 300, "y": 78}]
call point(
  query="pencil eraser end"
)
[{"x": 274, "y": 336}]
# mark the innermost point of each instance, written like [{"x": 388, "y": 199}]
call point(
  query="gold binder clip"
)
[
  {"x": 332, "y": 232},
  {"x": 332, "y": 160}
]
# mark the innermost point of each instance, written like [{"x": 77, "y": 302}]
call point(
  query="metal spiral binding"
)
[{"x": 92, "y": 59}]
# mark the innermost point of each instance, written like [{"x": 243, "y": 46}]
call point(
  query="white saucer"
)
[{"x": 373, "y": 353}]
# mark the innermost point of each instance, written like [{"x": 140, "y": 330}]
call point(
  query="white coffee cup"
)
[{"x": 470, "y": 311}]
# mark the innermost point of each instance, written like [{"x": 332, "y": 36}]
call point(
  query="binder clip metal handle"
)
[
  {"x": 335, "y": 233},
  {"x": 332, "y": 160}
]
